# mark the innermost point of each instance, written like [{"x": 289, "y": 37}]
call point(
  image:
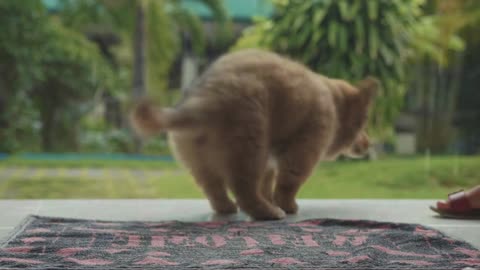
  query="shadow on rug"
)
[{"x": 57, "y": 243}]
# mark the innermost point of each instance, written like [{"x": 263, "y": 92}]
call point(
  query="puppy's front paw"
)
[
  {"x": 273, "y": 213},
  {"x": 290, "y": 207},
  {"x": 225, "y": 208}
]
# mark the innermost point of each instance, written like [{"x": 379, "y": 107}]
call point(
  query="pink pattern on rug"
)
[
  {"x": 339, "y": 240},
  {"x": 92, "y": 241},
  {"x": 23, "y": 261},
  {"x": 362, "y": 232},
  {"x": 469, "y": 252},
  {"x": 211, "y": 224},
  {"x": 413, "y": 262},
  {"x": 24, "y": 249},
  {"x": 276, "y": 239},
  {"x": 351, "y": 232},
  {"x": 177, "y": 239},
  {"x": 312, "y": 229},
  {"x": 311, "y": 223},
  {"x": 158, "y": 241},
  {"x": 401, "y": 253},
  {"x": 308, "y": 240},
  {"x": 357, "y": 259},
  {"x": 112, "y": 231},
  {"x": 158, "y": 254},
  {"x": 449, "y": 240},
  {"x": 425, "y": 232},
  {"x": 133, "y": 242},
  {"x": 30, "y": 240},
  {"x": 378, "y": 230},
  {"x": 218, "y": 241},
  {"x": 252, "y": 252},
  {"x": 116, "y": 250},
  {"x": 235, "y": 230},
  {"x": 471, "y": 262},
  {"x": 158, "y": 224},
  {"x": 250, "y": 241},
  {"x": 67, "y": 252},
  {"x": 337, "y": 253},
  {"x": 157, "y": 261},
  {"x": 38, "y": 230},
  {"x": 159, "y": 230},
  {"x": 252, "y": 224},
  {"x": 286, "y": 261},
  {"x": 90, "y": 262},
  {"x": 359, "y": 240},
  {"x": 219, "y": 262}
]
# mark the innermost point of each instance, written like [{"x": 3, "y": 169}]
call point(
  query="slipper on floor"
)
[{"x": 457, "y": 206}]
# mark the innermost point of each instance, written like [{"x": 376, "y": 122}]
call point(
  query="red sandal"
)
[{"x": 457, "y": 206}]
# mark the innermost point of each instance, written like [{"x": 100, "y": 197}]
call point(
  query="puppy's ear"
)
[{"x": 369, "y": 88}]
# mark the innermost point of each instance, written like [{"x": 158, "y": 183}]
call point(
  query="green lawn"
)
[
  {"x": 138, "y": 164},
  {"x": 389, "y": 178}
]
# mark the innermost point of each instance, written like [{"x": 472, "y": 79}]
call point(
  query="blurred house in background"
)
[{"x": 188, "y": 66}]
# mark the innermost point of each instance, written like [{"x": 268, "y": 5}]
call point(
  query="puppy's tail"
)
[{"x": 148, "y": 119}]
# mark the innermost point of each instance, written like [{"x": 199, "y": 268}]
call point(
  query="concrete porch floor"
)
[{"x": 12, "y": 212}]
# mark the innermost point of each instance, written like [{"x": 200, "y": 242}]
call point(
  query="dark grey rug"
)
[{"x": 57, "y": 243}]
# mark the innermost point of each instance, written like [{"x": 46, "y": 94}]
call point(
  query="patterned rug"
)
[{"x": 57, "y": 243}]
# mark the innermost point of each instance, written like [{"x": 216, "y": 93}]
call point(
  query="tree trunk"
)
[
  {"x": 4, "y": 145},
  {"x": 139, "y": 52},
  {"x": 3, "y": 112},
  {"x": 47, "y": 115}
]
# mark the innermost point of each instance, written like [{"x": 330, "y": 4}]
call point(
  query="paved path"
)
[{"x": 87, "y": 173}]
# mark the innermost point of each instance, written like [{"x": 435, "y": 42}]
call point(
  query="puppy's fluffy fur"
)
[{"x": 257, "y": 123}]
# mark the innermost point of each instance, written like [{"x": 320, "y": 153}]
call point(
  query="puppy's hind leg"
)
[
  {"x": 246, "y": 164},
  {"x": 214, "y": 188},
  {"x": 196, "y": 154}
]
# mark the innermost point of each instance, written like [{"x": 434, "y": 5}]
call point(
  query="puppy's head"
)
[
  {"x": 353, "y": 106},
  {"x": 360, "y": 146}
]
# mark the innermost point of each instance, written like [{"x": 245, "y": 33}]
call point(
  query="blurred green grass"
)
[
  {"x": 388, "y": 178},
  {"x": 93, "y": 163}
]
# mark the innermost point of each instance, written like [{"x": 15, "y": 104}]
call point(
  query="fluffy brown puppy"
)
[{"x": 256, "y": 123}]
